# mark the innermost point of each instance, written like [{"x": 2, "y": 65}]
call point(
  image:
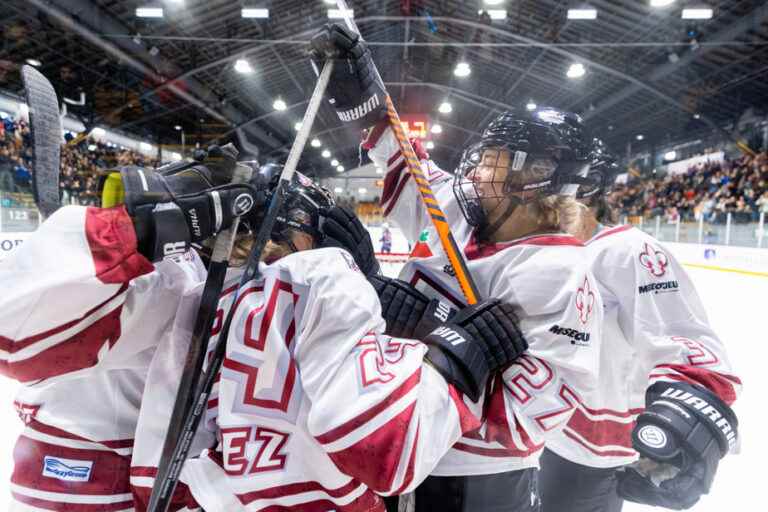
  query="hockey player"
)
[
  {"x": 509, "y": 196},
  {"x": 666, "y": 385},
  {"x": 82, "y": 311},
  {"x": 316, "y": 409}
]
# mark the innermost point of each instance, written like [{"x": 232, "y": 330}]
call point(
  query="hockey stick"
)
[
  {"x": 172, "y": 462},
  {"x": 466, "y": 283},
  {"x": 45, "y": 130},
  {"x": 168, "y": 468}
]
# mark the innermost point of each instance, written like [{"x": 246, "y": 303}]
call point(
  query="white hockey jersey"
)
[
  {"x": 655, "y": 329},
  {"x": 548, "y": 279},
  {"x": 315, "y": 409},
  {"x": 80, "y": 316}
]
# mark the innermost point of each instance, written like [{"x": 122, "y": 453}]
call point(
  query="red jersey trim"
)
[
  {"x": 474, "y": 251},
  {"x": 610, "y": 231}
]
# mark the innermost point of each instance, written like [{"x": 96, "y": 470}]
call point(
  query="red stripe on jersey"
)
[
  {"x": 474, "y": 251},
  {"x": 361, "y": 419},
  {"x": 112, "y": 241},
  {"x": 489, "y": 451},
  {"x": 719, "y": 383},
  {"x": 182, "y": 497},
  {"x": 467, "y": 420},
  {"x": 601, "y": 432},
  {"x": 599, "y": 452},
  {"x": 77, "y": 352},
  {"x": 398, "y": 192},
  {"x": 375, "y": 458},
  {"x": 115, "y": 444},
  {"x": 109, "y": 473},
  {"x": 12, "y": 346},
  {"x": 281, "y": 491},
  {"x": 70, "y": 507},
  {"x": 611, "y": 231},
  {"x": 613, "y": 412},
  {"x": 391, "y": 180},
  {"x": 394, "y": 158}
]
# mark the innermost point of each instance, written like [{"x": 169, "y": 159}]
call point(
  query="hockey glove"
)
[
  {"x": 407, "y": 311},
  {"x": 341, "y": 228},
  {"x": 355, "y": 88},
  {"x": 681, "y": 437},
  {"x": 478, "y": 341}
]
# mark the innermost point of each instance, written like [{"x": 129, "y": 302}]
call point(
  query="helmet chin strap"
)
[{"x": 487, "y": 230}]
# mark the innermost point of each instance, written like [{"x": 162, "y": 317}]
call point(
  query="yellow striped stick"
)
[{"x": 466, "y": 283}]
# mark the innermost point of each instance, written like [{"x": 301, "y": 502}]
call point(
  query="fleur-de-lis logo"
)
[
  {"x": 585, "y": 301},
  {"x": 654, "y": 260}
]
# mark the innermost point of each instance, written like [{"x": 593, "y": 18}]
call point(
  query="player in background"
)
[
  {"x": 660, "y": 356},
  {"x": 86, "y": 300},
  {"x": 505, "y": 204},
  {"x": 317, "y": 409}
]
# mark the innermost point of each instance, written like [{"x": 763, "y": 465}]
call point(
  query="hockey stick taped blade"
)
[{"x": 45, "y": 130}]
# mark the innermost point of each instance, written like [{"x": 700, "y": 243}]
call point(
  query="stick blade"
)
[{"x": 45, "y": 130}]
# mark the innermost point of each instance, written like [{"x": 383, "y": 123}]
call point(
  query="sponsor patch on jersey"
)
[
  {"x": 69, "y": 470},
  {"x": 665, "y": 287},
  {"x": 577, "y": 337}
]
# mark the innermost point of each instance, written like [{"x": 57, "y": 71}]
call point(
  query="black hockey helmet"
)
[
  {"x": 602, "y": 173},
  {"x": 542, "y": 152},
  {"x": 304, "y": 202}
]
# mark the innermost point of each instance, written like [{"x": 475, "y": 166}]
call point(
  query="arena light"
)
[
  {"x": 91, "y": 147},
  {"x": 340, "y": 168},
  {"x": 297, "y": 126},
  {"x": 640, "y": 136},
  {"x": 254, "y": 12},
  {"x": 493, "y": 2},
  {"x": 462, "y": 69},
  {"x": 661, "y": 3},
  {"x": 315, "y": 143},
  {"x": 334, "y": 162},
  {"x": 243, "y": 66},
  {"x": 338, "y": 190},
  {"x": 697, "y": 13},
  {"x": 496, "y": 14},
  {"x": 279, "y": 104},
  {"x": 338, "y": 14},
  {"x": 530, "y": 105},
  {"x": 177, "y": 127},
  {"x": 145, "y": 146},
  {"x": 583, "y": 13},
  {"x": 34, "y": 62},
  {"x": 330, "y": 2},
  {"x": 98, "y": 132},
  {"x": 670, "y": 155},
  {"x": 436, "y": 129},
  {"x": 697, "y": 116},
  {"x": 445, "y": 108},
  {"x": 362, "y": 190},
  {"x": 326, "y": 154},
  {"x": 576, "y": 70},
  {"x": 429, "y": 145},
  {"x": 149, "y": 12}
]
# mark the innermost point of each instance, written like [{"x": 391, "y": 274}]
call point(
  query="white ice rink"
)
[{"x": 737, "y": 305}]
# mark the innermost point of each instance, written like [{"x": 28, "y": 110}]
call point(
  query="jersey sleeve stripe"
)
[
  {"x": 55, "y": 504},
  {"x": 724, "y": 386},
  {"x": 600, "y": 451}
]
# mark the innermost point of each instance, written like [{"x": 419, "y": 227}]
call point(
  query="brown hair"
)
[{"x": 558, "y": 213}]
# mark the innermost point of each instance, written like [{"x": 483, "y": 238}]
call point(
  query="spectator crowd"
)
[{"x": 710, "y": 191}]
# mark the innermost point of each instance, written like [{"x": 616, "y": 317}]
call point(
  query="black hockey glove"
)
[
  {"x": 681, "y": 437},
  {"x": 173, "y": 208},
  {"x": 478, "y": 341},
  {"x": 341, "y": 228},
  {"x": 355, "y": 89},
  {"x": 407, "y": 311}
]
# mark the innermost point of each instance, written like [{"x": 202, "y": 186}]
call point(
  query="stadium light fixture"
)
[
  {"x": 279, "y": 104},
  {"x": 531, "y": 105},
  {"x": 493, "y": 2},
  {"x": 576, "y": 70},
  {"x": 339, "y": 14},
  {"x": 582, "y": 13},
  {"x": 429, "y": 145},
  {"x": 340, "y": 168},
  {"x": 436, "y": 129},
  {"x": 362, "y": 190},
  {"x": 494, "y": 14},
  {"x": 445, "y": 108},
  {"x": 661, "y": 3},
  {"x": 177, "y": 127},
  {"x": 338, "y": 190},
  {"x": 697, "y": 13},
  {"x": 98, "y": 132},
  {"x": 326, "y": 153},
  {"x": 254, "y": 12},
  {"x": 330, "y": 2},
  {"x": 34, "y": 62},
  {"x": 297, "y": 126},
  {"x": 334, "y": 162},
  {"x": 640, "y": 136},
  {"x": 462, "y": 69},
  {"x": 243, "y": 66},
  {"x": 670, "y": 155},
  {"x": 149, "y": 12},
  {"x": 315, "y": 143},
  {"x": 697, "y": 116}
]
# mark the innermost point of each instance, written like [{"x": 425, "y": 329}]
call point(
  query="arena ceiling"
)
[{"x": 648, "y": 72}]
